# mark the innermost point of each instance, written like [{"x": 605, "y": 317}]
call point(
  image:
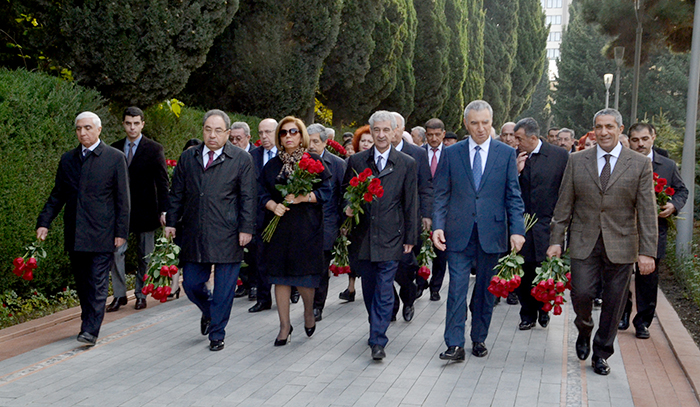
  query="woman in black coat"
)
[{"x": 294, "y": 255}]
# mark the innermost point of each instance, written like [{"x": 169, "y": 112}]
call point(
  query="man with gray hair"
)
[
  {"x": 332, "y": 211},
  {"x": 508, "y": 134},
  {"x": 387, "y": 229},
  {"x": 213, "y": 197},
  {"x": 240, "y": 136},
  {"x": 92, "y": 182},
  {"x": 566, "y": 139},
  {"x": 418, "y": 135}
]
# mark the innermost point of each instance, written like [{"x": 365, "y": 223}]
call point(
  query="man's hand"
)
[
  {"x": 667, "y": 210},
  {"x": 162, "y": 219},
  {"x": 520, "y": 160},
  {"x": 439, "y": 239},
  {"x": 646, "y": 264},
  {"x": 244, "y": 238},
  {"x": 291, "y": 199},
  {"x": 517, "y": 241},
  {"x": 41, "y": 234},
  {"x": 554, "y": 251},
  {"x": 407, "y": 248},
  {"x": 119, "y": 241},
  {"x": 280, "y": 209},
  {"x": 348, "y": 212},
  {"x": 169, "y": 232},
  {"x": 427, "y": 223}
]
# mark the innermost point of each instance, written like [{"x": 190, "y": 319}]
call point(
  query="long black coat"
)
[
  {"x": 667, "y": 169},
  {"x": 333, "y": 208},
  {"x": 148, "y": 185},
  {"x": 96, "y": 196},
  {"x": 425, "y": 179},
  {"x": 539, "y": 185},
  {"x": 391, "y": 221},
  {"x": 213, "y": 206}
]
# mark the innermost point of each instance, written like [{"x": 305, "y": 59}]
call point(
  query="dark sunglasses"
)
[{"x": 291, "y": 132}]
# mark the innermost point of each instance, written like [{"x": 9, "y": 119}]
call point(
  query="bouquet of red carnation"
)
[
  {"x": 162, "y": 268},
  {"x": 426, "y": 255},
  {"x": 258, "y": 143},
  {"x": 170, "y": 166},
  {"x": 553, "y": 278},
  {"x": 335, "y": 148},
  {"x": 300, "y": 182},
  {"x": 363, "y": 188},
  {"x": 510, "y": 268},
  {"x": 663, "y": 192},
  {"x": 25, "y": 265}
]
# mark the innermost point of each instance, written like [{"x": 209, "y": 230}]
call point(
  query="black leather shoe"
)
[
  {"x": 205, "y": 325},
  {"x": 216, "y": 345},
  {"x": 116, "y": 303},
  {"x": 434, "y": 296},
  {"x": 479, "y": 349},
  {"x": 600, "y": 366},
  {"x": 318, "y": 314},
  {"x": 642, "y": 332},
  {"x": 543, "y": 319},
  {"x": 294, "y": 298},
  {"x": 455, "y": 353},
  {"x": 512, "y": 299},
  {"x": 583, "y": 347},
  {"x": 259, "y": 306},
  {"x": 87, "y": 338},
  {"x": 240, "y": 292},
  {"x": 497, "y": 301},
  {"x": 624, "y": 322},
  {"x": 526, "y": 326},
  {"x": 408, "y": 312},
  {"x": 288, "y": 339},
  {"x": 393, "y": 318},
  {"x": 597, "y": 303},
  {"x": 253, "y": 294},
  {"x": 140, "y": 303},
  {"x": 419, "y": 293},
  {"x": 310, "y": 331},
  {"x": 347, "y": 296},
  {"x": 378, "y": 352}
]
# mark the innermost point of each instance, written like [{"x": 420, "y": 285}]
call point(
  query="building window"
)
[
  {"x": 553, "y": 20},
  {"x": 552, "y": 53},
  {"x": 552, "y": 3},
  {"x": 554, "y": 36}
]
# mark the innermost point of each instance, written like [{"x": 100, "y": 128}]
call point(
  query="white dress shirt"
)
[
  {"x": 205, "y": 155},
  {"x": 438, "y": 153},
  {"x": 384, "y": 155},
  {"x": 91, "y": 148},
  {"x": 537, "y": 149},
  {"x": 266, "y": 154},
  {"x": 614, "y": 155},
  {"x": 134, "y": 145},
  {"x": 484, "y": 152}
]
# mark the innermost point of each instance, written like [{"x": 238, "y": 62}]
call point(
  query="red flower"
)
[
  {"x": 28, "y": 275},
  {"x": 658, "y": 188},
  {"x": 18, "y": 261},
  {"x": 559, "y": 300},
  {"x": 146, "y": 277},
  {"x": 239, "y": 282},
  {"x": 173, "y": 270},
  {"x": 656, "y": 176},
  {"x": 363, "y": 176},
  {"x": 147, "y": 289},
  {"x": 670, "y": 191},
  {"x": 18, "y": 271},
  {"x": 557, "y": 309},
  {"x": 380, "y": 192},
  {"x": 661, "y": 181},
  {"x": 368, "y": 196},
  {"x": 547, "y": 307},
  {"x": 164, "y": 271},
  {"x": 354, "y": 181},
  {"x": 31, "y": 263},
  {"x": 257, "y": 143},
  {"x": 424, "y": 272}
]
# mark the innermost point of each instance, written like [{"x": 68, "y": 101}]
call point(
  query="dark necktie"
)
[
  {"x": 86, "y": 153},
  {"x": 605, "y": 174},
  {"x": 476, "y": 167},
  {"x": 380, "y": 165},
  {"x": 130, "y": 156},
  {"x": 269, "y": 155},
  {"x": 433, "y": 162},
  {"x": 211, "y": 159}
]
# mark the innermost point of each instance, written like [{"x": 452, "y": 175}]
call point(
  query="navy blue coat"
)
[
  {"x": 425, "y": 180},
  {"x": 667, "y": 169}
]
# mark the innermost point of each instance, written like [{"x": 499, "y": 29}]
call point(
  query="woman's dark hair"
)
[{"x": 192, "y": 143}]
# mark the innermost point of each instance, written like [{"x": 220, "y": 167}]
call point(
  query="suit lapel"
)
[
  {"x": 591, "y": 164},
  {"x": 623, "y": 161},
  {"x": 490, "y": 159},
  {"x": 467, "y": 163}
]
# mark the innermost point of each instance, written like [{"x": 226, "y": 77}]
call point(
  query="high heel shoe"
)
[
  {"x": 310, "y": 331},
  {"x": 176, "y": 294},
  {"x": 288, "y": 339}
]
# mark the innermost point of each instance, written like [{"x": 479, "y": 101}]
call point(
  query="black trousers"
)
[
  {"x": 91, "y": 274},
  {"x": 406, "y": 279},
  {"x": 529, "y": 306},
  {"x": 321, "y": 292},
  {"x": 645, "y": 290},
  {"x": 264, "y": 286},
  {"x": 249, "y": 273},
  {"x": 586, "y": 274}
]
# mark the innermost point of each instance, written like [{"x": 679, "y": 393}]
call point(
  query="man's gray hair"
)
[
  {"x": 611, "y": 112},
  {"x": 220, "y": 113},
  {"x": 529, "y": 125},
  {"x": 565, "y": 130},
  {"x": 477, "y": 106},
  {"x": 241, "y": 125},
  {"x": 318, "y": 128},
  {"x": 421, "y": 133},
  {"x": 330, "y": 132},
  {"x": 382, "y": 115},
  {"x": 89, "y": 115},
  {"x": 398, "y": 116}
]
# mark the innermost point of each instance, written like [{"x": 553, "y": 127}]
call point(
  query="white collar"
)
[
  {"x": 651, "y": 154},
  {"x": 399, "y": 147},
  {"x": 484, "y": 146},
  {"x": 92, "y": 147},
  {"x": 615, "y": 151},
  {"x": 537, "y": 149}
]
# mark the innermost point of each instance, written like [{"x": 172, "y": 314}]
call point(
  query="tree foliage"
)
[
  {"x": 456, "y": 13},
  {"x": 474, "y": 85},
  {"x": 540, "y": 107},
  {"x": 268, "y": 61}
]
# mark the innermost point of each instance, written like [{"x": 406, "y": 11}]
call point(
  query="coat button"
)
[{"x": 202, "y": 194}]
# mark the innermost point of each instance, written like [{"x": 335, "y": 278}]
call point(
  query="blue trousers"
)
[
  {"x": 378, "y": 293},
  {"x": 219, "y": 308},
  {"x": 461, "y": 264}
]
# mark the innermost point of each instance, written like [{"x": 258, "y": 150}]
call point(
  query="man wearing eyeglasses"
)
[
  {"x": 214, "y": 196},
  {"x": 240, "y": 136}
]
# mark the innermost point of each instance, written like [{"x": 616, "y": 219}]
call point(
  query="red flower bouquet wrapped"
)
[
  {"x": 553, "y": 278},
  {"x": 510, "y": 268},
  {"x": 162, "y": 267},
  {"x": 24, "y": 266},
  {"x": 335, "y": 148},
  {"x": 300, "y": 182}
]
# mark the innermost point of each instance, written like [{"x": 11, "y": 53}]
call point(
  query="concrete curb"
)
[{"x": 682, "y": 344}]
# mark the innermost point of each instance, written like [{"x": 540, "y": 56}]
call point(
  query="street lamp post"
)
[
  {"x": 638, "y": 5},
  {"x": 607, "y": 79},
  {"x": 619, "y": 58}
]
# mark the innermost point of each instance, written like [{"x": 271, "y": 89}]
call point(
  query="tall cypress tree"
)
[
  {"x": 347, "y": 64},
  {"x": 268, "y": 61},
  {"x": 474, "y": 85},
  {"x": 431, "y": 59},
  {"x": 456, "y": 13},
  {"x": 500, "y": 46},
  {"x": 531, "y": 57},
  {"x": 540, "y": 107}
]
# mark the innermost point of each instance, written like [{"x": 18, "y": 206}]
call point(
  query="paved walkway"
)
[{"x": 157, "y": 357}]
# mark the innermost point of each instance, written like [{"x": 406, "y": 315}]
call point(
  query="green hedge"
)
[{"x": 36, "y": 126}]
